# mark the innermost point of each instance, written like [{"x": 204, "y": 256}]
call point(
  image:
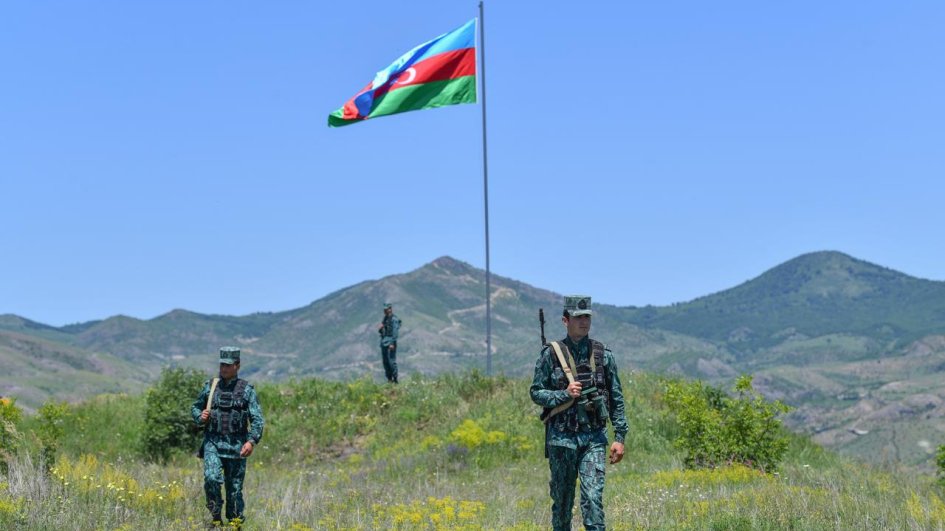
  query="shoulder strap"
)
[
  {"x": 213, "y": 387},
  {"x": 566, "y": 366},
  {"x": 568, "y": 370}
]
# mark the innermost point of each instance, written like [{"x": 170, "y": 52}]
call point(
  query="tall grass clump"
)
[
  {"x": 314, "y": 420},
  {"x": 109, "y": 425}
]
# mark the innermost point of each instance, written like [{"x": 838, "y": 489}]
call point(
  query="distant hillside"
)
[
  {"x": 441, "y": 305},
  {"x": 37, "y": 369},
  {"x": 15, "y": 323},
  {"x": 174, "y": 336},
  {"x": 812, "y": 295}
]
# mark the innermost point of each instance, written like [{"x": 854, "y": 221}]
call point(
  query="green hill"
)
[
  {"x": 459, "y": 451},
  {"x": 812, "y": 295}
]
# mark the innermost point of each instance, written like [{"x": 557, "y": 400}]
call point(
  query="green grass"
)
[{"x": 452, "y": 452}]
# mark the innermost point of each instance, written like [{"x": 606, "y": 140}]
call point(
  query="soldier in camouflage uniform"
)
[
  {"x": 577, "y": 384},
  {"x": 234, "y": 426},
  {"x": 389, "y": 329}
]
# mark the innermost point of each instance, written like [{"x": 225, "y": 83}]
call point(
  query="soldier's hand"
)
[
  {"x": 574, "y": 389},
  {"x": 616, "y": 452},
  {"x": 390, "y": 347},
  {"x": 247, "y": 449},
  {"x": 204, "y": 415}
]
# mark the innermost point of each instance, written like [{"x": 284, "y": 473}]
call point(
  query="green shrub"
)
[
  {"x": 730, "y": 522},
  {"x": 168, "y": 425},
  {"x": 10, "y": 416},
  {"x": 940, "y": 464},
  {"x": 473, "y": 384},
  {"x": 49, "y": 429},
  {"x": 717, "y": 429}
]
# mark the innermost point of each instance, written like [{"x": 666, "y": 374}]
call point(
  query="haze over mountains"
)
[{"x": 857, "y": 348}]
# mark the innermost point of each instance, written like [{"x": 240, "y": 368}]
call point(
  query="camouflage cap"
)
[
  {"x": 388, "y": 305},
  {"x": 577, "y": 305},
  {"x": 229, "y": 355}
]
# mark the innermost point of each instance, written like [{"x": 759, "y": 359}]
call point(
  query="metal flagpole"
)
[{"x": 485, "y": 188}]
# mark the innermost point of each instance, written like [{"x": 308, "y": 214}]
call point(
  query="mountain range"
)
[{"x": 856, "y": 348}]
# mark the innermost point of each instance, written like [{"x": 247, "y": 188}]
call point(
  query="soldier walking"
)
[
  {"x": 230, "y": 411},
  {"x": 389, "y": 329},
  {"x": 577, "y": 384}
]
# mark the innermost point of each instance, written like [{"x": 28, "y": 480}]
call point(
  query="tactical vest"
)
[
  {"x": 229, "y": 413},
  {"x": 388, "y": 323},
  {"x": 567, "y": 420}
]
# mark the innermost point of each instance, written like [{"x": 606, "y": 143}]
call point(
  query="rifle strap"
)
[
  {"x": 566, "y": 366},
  {"x": 569, "y": 369},
  {"x": 213, "y": 387}
]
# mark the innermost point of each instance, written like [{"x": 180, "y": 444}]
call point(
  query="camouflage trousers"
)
[
  {"x": 389, "y": 356},
  {"x": 223, "y": 472},
  {"x": 586, "y": 461}
]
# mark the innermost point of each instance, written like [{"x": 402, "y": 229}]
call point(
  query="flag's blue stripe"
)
[{"x": 462, "y": 37}]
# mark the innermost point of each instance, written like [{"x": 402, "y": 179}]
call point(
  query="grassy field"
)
[{"x": 454, "y": 452}]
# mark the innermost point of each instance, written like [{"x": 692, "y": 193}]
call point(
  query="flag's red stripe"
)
[
  {"x": 350, "y": 109},
  {"x": 440, "y": 67}
]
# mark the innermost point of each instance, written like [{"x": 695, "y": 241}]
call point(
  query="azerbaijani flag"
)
[{"x": 436, "y": 73}]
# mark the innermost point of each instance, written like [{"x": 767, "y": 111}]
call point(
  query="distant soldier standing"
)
[
  {"x": 576, "y": 383},
  {"x": 388, "y": 330},
  {"x": 234, "y": 426}
]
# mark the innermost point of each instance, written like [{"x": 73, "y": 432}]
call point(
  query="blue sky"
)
[{"x": 161, "y": 155}]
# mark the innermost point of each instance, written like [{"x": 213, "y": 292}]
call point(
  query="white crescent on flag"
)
[{"x": 411, "y": 73}]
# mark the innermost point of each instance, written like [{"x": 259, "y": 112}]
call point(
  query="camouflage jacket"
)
[
  {"x": 391, "y": 327},
  {"x": 247, "y": 426},
  {"x": 546, "y": 393}
]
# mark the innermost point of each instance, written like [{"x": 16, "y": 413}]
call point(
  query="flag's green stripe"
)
[
  {"x": 335, "y": 119},
  {"x": 416, "y": 97},
  {"x": 425, "y": 96}
]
